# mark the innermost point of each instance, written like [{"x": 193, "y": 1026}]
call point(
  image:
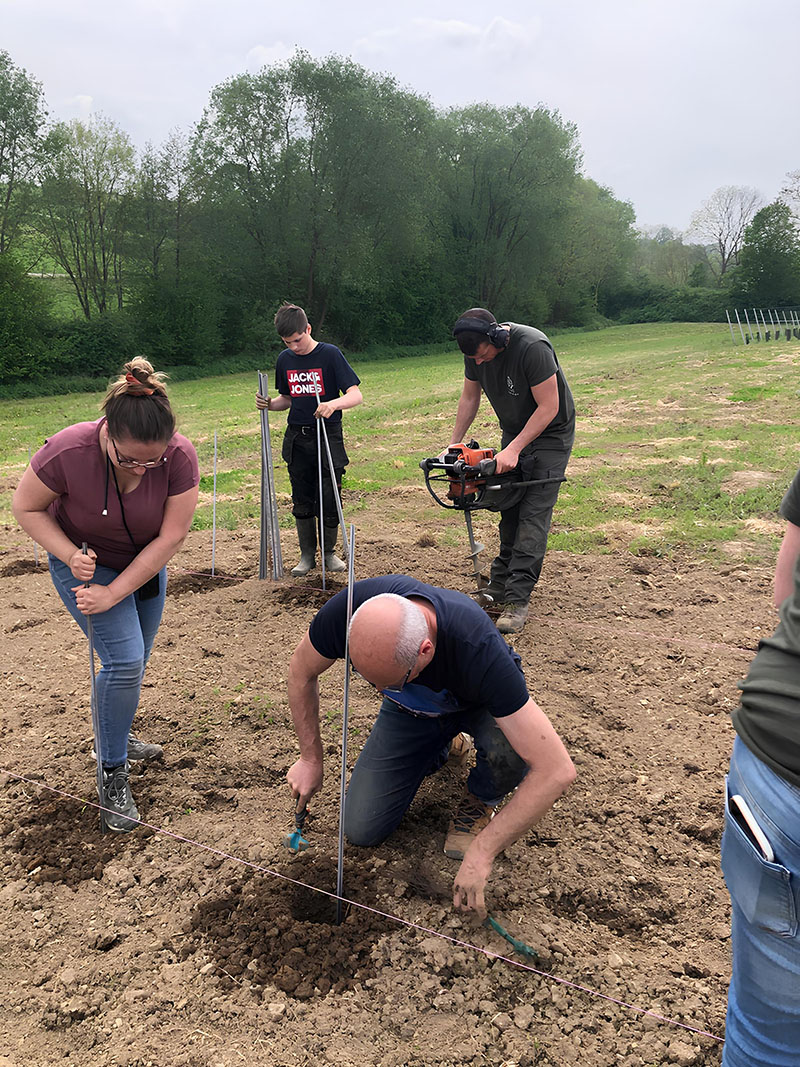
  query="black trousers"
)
[{"x": 300, "y": 455}]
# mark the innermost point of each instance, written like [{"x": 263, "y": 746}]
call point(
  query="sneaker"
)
[
  {"x": 119, "y": 810},
  {"x": 140, "y": 750},
  {"x": 469, "y": 820},
  {"x": 513, "y": 618},
  {"x": 460, "y": 748}
]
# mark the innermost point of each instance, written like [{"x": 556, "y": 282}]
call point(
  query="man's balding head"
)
[{"x": 386, "y": 634}]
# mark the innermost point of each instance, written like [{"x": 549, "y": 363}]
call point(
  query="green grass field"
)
[{"x": 683, "y": 440}]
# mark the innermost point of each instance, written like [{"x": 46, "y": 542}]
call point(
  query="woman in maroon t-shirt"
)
[{"x": 126, "y": 486}]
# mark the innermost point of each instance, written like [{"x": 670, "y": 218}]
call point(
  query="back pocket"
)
[{"x": 761, "y": 889}]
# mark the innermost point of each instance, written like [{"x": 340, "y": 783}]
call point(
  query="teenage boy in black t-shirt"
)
[{"x": 304, "y": 368}]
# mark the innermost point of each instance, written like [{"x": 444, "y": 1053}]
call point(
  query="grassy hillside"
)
[{"x": 683, "y": 439}]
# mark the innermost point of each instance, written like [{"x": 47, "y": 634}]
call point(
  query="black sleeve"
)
[{"x": 790, "y": 505}]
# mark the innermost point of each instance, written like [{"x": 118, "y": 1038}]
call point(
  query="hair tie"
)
[{"x": 135, "y": 381}]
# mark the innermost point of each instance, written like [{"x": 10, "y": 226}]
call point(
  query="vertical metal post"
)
[
  {"x": 336, "y": 496},
  {"x": 270, "y": 529},
  {"x": 35, "y": 545},
  {"x": 730, "y": 325},
  {"x": 214, "y": 510},
  {"x": 739, "y": 323},
  {"x": 98, "y": 749},
  {"x": 749, "y": 327},
  {"x": 345, "y": 718},
  {"x": 321, "y": 504}
]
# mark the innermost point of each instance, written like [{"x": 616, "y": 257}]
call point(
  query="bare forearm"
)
[
  {"x": 45, "y": 531},
  {"x": 147, "y": 563},
  {"x": 304, "y": 706},
  {"x": 351, "y": 399},
  {"x": 531, "y": 802},
  {"x": 538, "y": 422},
  {"x": 465, "y": 416}
]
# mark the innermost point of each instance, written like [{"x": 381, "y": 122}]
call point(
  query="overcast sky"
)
[{"x": 672, "y": 98}]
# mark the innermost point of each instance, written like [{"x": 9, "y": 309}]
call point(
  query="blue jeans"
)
[
  {"x": 402, "y": 749},
  {"x": 123, "y": 638},
  {"x": 763, "y": 1023}
]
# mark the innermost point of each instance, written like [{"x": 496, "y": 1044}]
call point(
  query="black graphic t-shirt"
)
[
  {"x": 296, "y": 376},
  {"x": 528, "y": 360}
]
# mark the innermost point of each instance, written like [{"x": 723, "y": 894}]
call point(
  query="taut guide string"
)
[{"x": 382, "y": 914}]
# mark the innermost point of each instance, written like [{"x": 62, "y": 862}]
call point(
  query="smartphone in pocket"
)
[{"x": 741, "y": 814}]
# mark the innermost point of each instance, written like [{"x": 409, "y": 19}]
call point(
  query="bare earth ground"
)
[{"x": 145, "y": 949}]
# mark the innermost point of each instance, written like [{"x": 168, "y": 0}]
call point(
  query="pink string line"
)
[{"x": 375, "y": 911}]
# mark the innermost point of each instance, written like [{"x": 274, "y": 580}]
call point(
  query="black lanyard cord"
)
[{"x": 110, "y": 466}]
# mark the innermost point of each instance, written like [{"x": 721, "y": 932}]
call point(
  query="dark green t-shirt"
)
[
  {"x": 528, "y": 360},
  {"x": 768, "y": 717}
]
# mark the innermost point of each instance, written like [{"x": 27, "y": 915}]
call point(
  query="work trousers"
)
[
  {"x": 524, "y": 526},
  {"x": 402, "y": 749},
  {"x": 763, "y": 1022},
  {"x": 123, "y": 637},
  {"x": 300, "y": 455}
]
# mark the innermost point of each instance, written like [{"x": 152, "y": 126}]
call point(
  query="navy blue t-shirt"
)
[
  {"x": 295, "y": 377},
  {"x": 472, "y": 666}
]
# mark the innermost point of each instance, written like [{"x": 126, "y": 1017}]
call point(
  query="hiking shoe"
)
[
  {"x": 119, "y": 810},
  {"x": 470, "y": 818},
  {"x": 460, "y": 748},
  {"x": 144, "y": 750},
  {"x": 513, "y": 618},
  {"x": 140, "y": 750}
]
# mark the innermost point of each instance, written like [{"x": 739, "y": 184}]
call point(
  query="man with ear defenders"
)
[{"x": 517, "y": 368}]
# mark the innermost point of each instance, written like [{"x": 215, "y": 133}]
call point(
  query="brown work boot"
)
[
  {"x": 513, "y": 618},
  {"x": 460, "y": 748},
  {"x": 466, "y": 824}
]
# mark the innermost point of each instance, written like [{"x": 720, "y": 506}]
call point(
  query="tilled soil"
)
[{"x": 200, "y": 940}]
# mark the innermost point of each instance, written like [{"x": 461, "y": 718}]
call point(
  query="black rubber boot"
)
[
  {"x": 332, "y": 561},
  {"x": 307, "y": 537}
]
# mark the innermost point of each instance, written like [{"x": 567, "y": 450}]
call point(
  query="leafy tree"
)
[
  {"x": 769, "y": 264},
  {"x": 323, "y": 166},
  {"x": 22, "y": 116},
  {"x": 508, "y": 176},
  {"x": 593, "y": 252},
  {"x": 662, "y": 255},
  {"x": 722, "y": 221},
  {"x": 86, "y": 178},
  {"x": 23, "y": 319}
]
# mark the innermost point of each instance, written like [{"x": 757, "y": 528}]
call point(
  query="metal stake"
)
[
  {"x": 98, "y": 751},
  {"x": 730, "y": 325},
  {"x": 749, "y": 327},
  {"x": 35, "y": 545},
  {"x": 333, "y": 479},
  {"x": 739, "y": 324},
  {"x": 345, "y": 716},
  {"x": 214, "y": 510},
  {"x": 270, "y": 530}
]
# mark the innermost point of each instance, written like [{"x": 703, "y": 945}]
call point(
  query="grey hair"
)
[{"x": 413, "y": 628}]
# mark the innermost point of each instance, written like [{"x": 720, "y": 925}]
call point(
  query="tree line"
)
[{"x": 327, "y": 184}]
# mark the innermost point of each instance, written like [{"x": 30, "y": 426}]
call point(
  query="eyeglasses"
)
[
  {"x": 397, "y": 688},
  {"x": 125, "y": 461}
]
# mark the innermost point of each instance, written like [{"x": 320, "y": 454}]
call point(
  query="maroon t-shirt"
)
[{"x": 72, "y": 464}]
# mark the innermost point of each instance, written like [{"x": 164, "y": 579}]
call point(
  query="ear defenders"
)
[{"x": 495, "y": 334}]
